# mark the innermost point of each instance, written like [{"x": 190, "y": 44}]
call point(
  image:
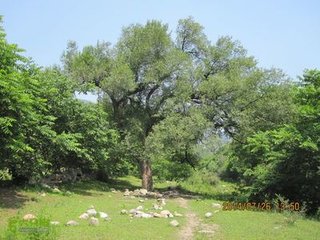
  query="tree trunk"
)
[{"x": 146, "y": 175}]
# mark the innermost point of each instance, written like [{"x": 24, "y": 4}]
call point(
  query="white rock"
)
[
  {"x": 216, "y": 205},
  {"x": 157, "y": 207},
  {"x": 162, "y": 201},
  {"x": 139, "y": 208},
  {"x": 103, "y": 215},
  {"x": 132, "y": 197},
  {"x": 177, "y": 214},
  {"x": 29, "y": 217},
  {"x": 84, "y": 216},
  {"x": 43, "y": 194},
  {"x": 174, "y": 223},
  {"x": 208, "y": 214},
  {"x": 126, "y": 193},
  {"x": 166, "y": 213},
  {"x": 54, "y": 223},
  {"x": 124, "y": 211},
  {"x": 156, "y": 215},
  {"x": 92, "y": 212},
  {"x": 132, "y": 211},
  {"x": 146, "y": 215},
  {"x": 56, "y": 190},
  {"x": 143, "y": 191},
  {"x": 216, "y": 211},
  {"x": 94, "y": 221},
  {"x": 72, "y": 223},
  {"x": 141, "y": 200}
]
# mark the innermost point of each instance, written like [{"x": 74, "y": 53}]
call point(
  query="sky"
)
[{"x": 278, "y": 33}]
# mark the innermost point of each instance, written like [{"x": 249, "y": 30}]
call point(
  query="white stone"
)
[
  {"x": 162, "y": 201},
  {"x": 208, "y": 214},
  {"x": 29, "y": 217},
  {"x": 124, "y": 211},
  {"x": 146, "y": 215},
  {"x": 72, "y": 223},
  {"x": 56, "y": 190},
  {"x": 177, "y": 214},
  {"x": 126, "y": 193},
  {"x": 54, "y": 223},
  {"x": 156, "y": 215},
  {"x": 143, "y": 191},
  {"x": 157, "y": 207},
  {"x": 166, "y": 213},
  {"x": 174, "y": 223},
  {"x": 141, "y": 200},
  {"x": 216, "y": 205},
  {"x": 92, "y": 212},
  {"x": 94, "y": 221},
  {"x": 139, "y": 208},
  {"x": 103, "y": 215},
  {"x": 132, "y": 211},
  {"x": 84, "y": 216}
]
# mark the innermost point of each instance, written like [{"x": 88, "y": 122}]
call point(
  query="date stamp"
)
[{"x": 260, "y": 206}]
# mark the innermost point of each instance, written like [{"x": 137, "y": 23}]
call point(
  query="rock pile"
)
[{"x": 142, "y": 193}]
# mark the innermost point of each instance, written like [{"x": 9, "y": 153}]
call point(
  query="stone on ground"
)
[
  {"x": 177, "y": 214},
  {"x": 84, "y": 216},
  {"x": 29, "y": 217},
  {"x": 56, "y": 190},
  {"x": 54, "y": 223},
  {"x": 157, "y": 207},
  {"x": 162, "y": 201},
  {"x": 92, "y": 212},
  {"x": 124, "y": 211},
  {"x": 156, "y": 215},
  {"x": 126, "y": 193},
  {"x": 143, "y": 191},
  {"x": 72, "y": 223},
  {"x": 94, "y": 221},
  {"x": 103, "y": 215},
  {"x": 174, "y": 223},
  {"x": 139, "y": 208},
  {"x": 166, "y": 214},
  {"x": 208, "y": 214},
  {"x": 216, "y": 205}
]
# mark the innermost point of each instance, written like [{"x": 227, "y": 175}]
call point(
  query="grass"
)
[
  {"x": 75, "y": 199},
  {"x": 255, "y": 225}
]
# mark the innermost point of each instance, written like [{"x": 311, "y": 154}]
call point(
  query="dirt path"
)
[{"x": 194, "y": 224}]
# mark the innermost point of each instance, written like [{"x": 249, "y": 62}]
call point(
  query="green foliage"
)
[
  {"x": 43, "y": 127},
  {"x": 37, "y": 229},
  {"x": 286, "y": 160}
]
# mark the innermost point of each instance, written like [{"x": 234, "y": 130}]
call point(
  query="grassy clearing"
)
[
  {"x": 75, "y": 199},
  {"x": 64, "y": 207}
]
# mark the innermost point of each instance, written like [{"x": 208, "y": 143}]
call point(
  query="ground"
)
[{"x": 75, "y": 199}]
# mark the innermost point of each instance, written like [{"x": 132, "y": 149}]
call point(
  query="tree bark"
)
[{"x": 146, "y": 175}]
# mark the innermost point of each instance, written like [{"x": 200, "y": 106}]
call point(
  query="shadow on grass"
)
[
  {"x": 229, "y": 196},
  {"x": 87, "y": 188},
  {"x": 11, "y": 198}
]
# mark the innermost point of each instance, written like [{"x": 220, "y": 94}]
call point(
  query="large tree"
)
[{"x": 148, "y": 78}]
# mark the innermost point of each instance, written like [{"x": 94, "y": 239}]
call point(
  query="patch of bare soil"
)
[{"x": 194, "y": 224}]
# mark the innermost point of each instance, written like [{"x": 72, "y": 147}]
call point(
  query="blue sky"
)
[{"x": 283, "y": 33}]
